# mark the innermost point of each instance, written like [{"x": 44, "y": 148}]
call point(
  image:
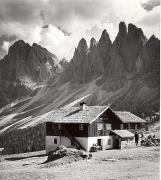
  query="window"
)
[
  {"x": 60, "y": 126},
  {"x": 53, "y": 126},
  {"x": 81, "y": 127},
  {"x": 109, "y": 141},
  {"x": 125, "y": 126},
  {"x": 132, "y": 126},
  {"x": 108, "y": 126},
  {"x": 55, "y": 141},
  {"x": 138, "y": 126},
  {"x": 99, "y": 126},
  {"x": 121, "y": 126}
]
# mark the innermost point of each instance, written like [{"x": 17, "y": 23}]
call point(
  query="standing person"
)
[{"x": 136, "y": 138}]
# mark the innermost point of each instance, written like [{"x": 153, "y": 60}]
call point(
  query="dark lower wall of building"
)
[{"x": 24, "y": 140}]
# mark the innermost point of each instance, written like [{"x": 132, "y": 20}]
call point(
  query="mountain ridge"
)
[
  {"x": 23, "y": 68},
  {"x": 104, "y": 70}
]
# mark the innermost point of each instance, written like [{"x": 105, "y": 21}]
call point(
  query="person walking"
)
[{"x": 136, "y": 138}]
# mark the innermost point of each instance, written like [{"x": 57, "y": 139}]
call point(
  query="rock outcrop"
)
[
  {"x": 63, "y": 63},
  {"x": 129, "y": 55},
  {"x": 23, "y": 69}
]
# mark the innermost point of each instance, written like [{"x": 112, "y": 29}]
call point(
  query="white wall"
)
[
  {"x": 61, "y": 140},
  {"x": 83, "y": 141},
  {"x": 93, "y": 140},
  {"x": 86, "y": 142},
  {"x": 64, "y": 141}
]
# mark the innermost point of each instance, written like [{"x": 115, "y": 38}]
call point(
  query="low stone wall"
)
[
  {"x": 127, "y": 143},
  {"x": 24, "y": 140}
]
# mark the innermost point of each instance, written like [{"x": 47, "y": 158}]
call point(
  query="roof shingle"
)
[
  {"x": 128, "y": 117},
  {"x": 123, "y": 133},
  {"x": 75, "y": 115},
  {"x": 87, "y": 115}
]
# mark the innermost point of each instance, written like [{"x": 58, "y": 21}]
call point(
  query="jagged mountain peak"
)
[
  {"x": 104, "y": 33},
  {"x": 82, "y": 45},
  {"x": 121, "y": 58},
  {"x": 19, "y": 42},
  {"x": 23, "y": 68},
  {"x": 105, "y": 38},
  {"x": 153, "y": 38},
  {"x": 134, "y": 30},
  {"x": 122, "y": 29},
  {"x": 64, "y": 63},
  {"x": 93, "y": 43},
  {"x": 18, "y": 47}
]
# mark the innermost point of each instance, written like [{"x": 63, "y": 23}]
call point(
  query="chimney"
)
[{"x": 82, "y": 105}]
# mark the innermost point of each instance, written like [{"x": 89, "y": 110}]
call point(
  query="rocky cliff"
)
[
  {"x": 131, "y": 60},
  {"x": 129, "y": 55},
  {"x": 23, "y": 69}
]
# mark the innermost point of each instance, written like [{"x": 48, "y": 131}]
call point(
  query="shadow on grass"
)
[{"x": 22, "y": 157}]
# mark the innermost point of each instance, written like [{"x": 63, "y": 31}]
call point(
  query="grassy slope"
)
[{"x": 122, "y": 95}]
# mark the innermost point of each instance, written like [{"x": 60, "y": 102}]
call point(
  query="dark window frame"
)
[{"x": 132, "y": 126}]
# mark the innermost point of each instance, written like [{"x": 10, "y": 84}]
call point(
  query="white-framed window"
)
[
  {"x": 108, "y": 126},
  {"x": 81, "y": 127},
  {"x": 99, "y": 126}
]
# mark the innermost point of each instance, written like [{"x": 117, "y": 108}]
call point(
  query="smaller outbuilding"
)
[{"x": 122, "y": 139}]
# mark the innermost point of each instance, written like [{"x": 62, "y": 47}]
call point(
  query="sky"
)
[{"x": 58, "y": 25}]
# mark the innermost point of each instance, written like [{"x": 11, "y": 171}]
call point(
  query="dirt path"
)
[{"x": 136, "y": 163}]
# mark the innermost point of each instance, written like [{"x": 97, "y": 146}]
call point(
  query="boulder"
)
[{"x": 62, "y": 151}]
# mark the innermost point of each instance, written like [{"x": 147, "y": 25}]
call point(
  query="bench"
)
[{"x": 95, "y": 148}]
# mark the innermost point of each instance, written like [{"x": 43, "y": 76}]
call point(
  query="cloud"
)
[
  {"x": 5, "y": 37},
  {"x": 4, "y": 43},
  {"x": 150, "y": 22},
  {"x": 21, "y": 11},
  {"x": 59, "y": 25},
  {"x": 149, "y": 5},
  {"x": 5, "y": 46},
  {"x": 151, "y": 18},
  {"x": 59, "y": 43}
]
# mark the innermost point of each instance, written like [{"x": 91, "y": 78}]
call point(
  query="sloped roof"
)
[
  {"x": 128, "y": 117},
  {"x": 88, "y": 115},
  {"x": 123, "y": 133},
  {"x": 75, "y": 115}
]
